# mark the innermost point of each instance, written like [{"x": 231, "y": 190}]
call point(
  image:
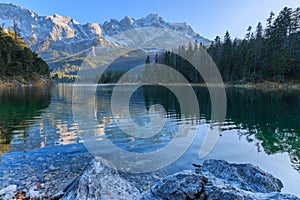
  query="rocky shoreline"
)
[
  {"x": 265, "y": 85},
  {"x": 38, "y": 81},
  {"x": 214, "y": 179}
]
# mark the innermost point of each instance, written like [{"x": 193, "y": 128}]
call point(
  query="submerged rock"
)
[
  {"x": 7, "y": 192},
  {"x": 98, "y": 181},
  {"x": 34, "y": 193},
  {"x": 217, "y": 179},
  {"x": 10, "y": 193}
]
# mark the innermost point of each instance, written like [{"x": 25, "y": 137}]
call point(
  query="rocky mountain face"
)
[
  {"x": 152, "y": 20},
  {"x": 57, "y": 37},
  {"x": 51, "y": 36}
]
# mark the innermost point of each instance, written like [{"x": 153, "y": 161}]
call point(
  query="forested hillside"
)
[
  {"x": 265, "y": 54},
  {"x": 17, "y": 60}
]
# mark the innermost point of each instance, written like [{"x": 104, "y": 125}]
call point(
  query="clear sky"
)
[{"x": 207, "y": 17}]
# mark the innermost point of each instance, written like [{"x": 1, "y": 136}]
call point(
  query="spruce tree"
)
[{"x": 147, "y": 60}]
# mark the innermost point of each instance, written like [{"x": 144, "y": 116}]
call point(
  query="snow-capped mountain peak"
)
[
  {"x": 59, "y": 36},
  {"x": 114, "y": 26},
  {"x": 153, "y": 18}
]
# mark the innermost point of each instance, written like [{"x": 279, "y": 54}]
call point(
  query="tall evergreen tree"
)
[
  {"x": 226, "y": 57},
  {"x": 272, "y": 53},
  {"x": 147, "y": 60}
]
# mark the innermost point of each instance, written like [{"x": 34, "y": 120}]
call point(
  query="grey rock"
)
[
  {"x": 274, "y": 195},
  {"x": 98, "y": 181},
  {"x": 8, "y": 192},
  {"x": 243, "y": 176},
  {"x": 183, "y": 185},
  {"x": 217, "y": 179},
  {"x": 52, "y": 167},
  {"x": 10, "y": 188},
  {"x": 34, "y": 193}
]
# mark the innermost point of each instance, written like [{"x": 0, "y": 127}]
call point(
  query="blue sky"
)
[{"x": 208, "y": 17}]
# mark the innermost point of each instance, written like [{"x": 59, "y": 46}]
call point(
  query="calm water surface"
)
[{"x": 39, "y": 140}]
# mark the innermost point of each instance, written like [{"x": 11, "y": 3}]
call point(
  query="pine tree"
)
[
  {"x": 248, "y": 34},
  {"x": 147, "y": 60},
  {"x": 258, "y": 49},
  {"x": 16, "y": 29},
  {"x": 156, "y": 58},
  {"x": 225, "y": 63}
]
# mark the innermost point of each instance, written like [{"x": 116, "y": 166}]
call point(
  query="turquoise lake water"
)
[{"x": 40, "y": 141}]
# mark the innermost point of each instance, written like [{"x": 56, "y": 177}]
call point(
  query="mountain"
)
[
  {"x": 51, "y": 36},
  {"x": 63, "y": 42},
  {"x": 152, "y": 20}
]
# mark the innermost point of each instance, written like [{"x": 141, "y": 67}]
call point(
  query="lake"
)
[{"x": 41, "y": 142}]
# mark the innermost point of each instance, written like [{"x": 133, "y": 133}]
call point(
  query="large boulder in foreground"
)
[
  {"x": 214, "y": 179},
  {"x": 98, "y": 181},
  {"x": 244, "y": 176},
  {"x": 217, "y": 179}
]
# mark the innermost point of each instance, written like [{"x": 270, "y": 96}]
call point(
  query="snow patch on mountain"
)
[
  {"x": 114, "y": 26},
  {"x": 60, "y": 36}
]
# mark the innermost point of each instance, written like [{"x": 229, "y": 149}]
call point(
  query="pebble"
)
[
  {"x": 8, "y": 192},
  {"x": 155, "y": 176},
  {"x": 52, "y": 167},
  {"x": 34, "y": 193},
  {"x": 40, "y": 159}
]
